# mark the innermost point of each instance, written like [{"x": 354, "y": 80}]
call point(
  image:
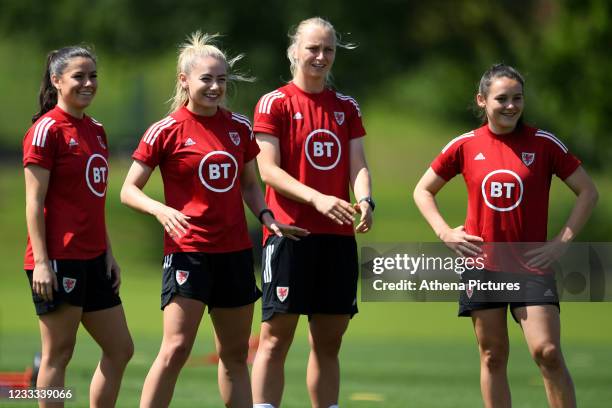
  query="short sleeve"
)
[
  {"x": 268, "y": 117},
  {"x": 251, "y": 146},
  {"x": 564, "y": 163},
  {"x": 150, "y": 150},
  {"x": 40, "y": 143},
  {"x": 449, "y": 162},
  {"x": 355, "y": 121}
]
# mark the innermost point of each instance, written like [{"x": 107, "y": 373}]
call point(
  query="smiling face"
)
[
  {"x": 503, "y": 104},
  {"x": 315, "y": 52},
  {"x": 206, "y": 84},
  {"x": 76, "y": 85}
]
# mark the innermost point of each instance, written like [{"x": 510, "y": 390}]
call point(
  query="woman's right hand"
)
[
  {"x": 336, "y": 209},
  {"x": 44, "y": 281},
  {"x": 461, "y": 242},
  {"x": 174, "y": 222}
]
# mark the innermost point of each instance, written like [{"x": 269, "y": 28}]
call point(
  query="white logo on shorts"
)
[
  {"x": 282, "y": 292},
  {"x": 181, "y": 276},
  {"x": 69, "y": 284},
  {"x": 469, "y": 292}
]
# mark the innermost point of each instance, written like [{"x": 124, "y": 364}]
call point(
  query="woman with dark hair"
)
[
  {"x": 69, "y": 261},
  {"x": 507, "y": 166}
]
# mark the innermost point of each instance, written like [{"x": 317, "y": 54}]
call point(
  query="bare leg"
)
[
  {"x": 109, "y": 329},
  {"x": 232, "y": 331},
  {"x": 269, "y": 366},
  {"x": 490, "y": 326},
  {"x": 542, "y": 330},
  {"x": 58, "y": 331},
  {"x": 182, "y": 318},
  {"x": 323, "y": 376}
]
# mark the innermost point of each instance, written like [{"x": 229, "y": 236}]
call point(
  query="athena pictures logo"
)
[
  {"x": 323, "y": 149},
  {"x": 218, "y": 171},
  {"x": 96, "y": 174},
  {"x": 502, "y": 190}
]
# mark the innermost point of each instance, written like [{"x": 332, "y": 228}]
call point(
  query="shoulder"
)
[
  {"x": 242, "y": 119},
  {"x": 40, "y": 130},
  {"x": 160, "y": 127},
  {"x": 550, "y": 139},
  {"x": 94, "y": 122},
  {"x": 459, "y": 141},
  {"x": 271, "y": 98},
  {"x": 346, "y": 99}
]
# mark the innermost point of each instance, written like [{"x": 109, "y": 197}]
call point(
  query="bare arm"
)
[
  {"x": 254, "y": 199},
  {"x": 586, "y": 197},
  {"x": 174, "y": 222},
  {"x": 273, "y": 175},
  {"x": 361, "y": 183},
  {"x": 424, "y": 197},
  {"x": 37, "y": 183}
]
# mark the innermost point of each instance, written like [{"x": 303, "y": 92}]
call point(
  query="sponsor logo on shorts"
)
[
  {"x": 549, "y": 293},
  {"x": 282, "y": 292},
  {"x": 469, "y": 292},
  {"x": 69, "y": 284},
  {"x": 181, "y": 276}
]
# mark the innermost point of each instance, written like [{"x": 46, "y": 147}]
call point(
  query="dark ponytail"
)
[{"x": 57, "y": 61}]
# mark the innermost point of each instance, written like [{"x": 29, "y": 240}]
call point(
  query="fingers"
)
[{"x": 473, "y": 238}]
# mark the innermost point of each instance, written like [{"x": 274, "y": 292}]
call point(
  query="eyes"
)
[
  {"x": 316, "y": 49},
  {"x": 505, "y": 98},
  {"x": 207, "y": 79},
  {"x": 81, "y": 76}
]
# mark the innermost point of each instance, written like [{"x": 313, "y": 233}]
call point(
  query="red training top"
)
[
  {"x": 314, "y": 131},
  {"x": 75, "y": 152},
  {"x": 201, "y": 159}
]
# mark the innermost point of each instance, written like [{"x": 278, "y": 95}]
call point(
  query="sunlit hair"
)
[
  {"x": 200, "y": 45},
  {"x": 57, "y": 61},
  {"x": 497, "y": 71},
  {"x": 295, "y": 35}
]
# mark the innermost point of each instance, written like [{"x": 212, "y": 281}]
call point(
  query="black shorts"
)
[
  {"x": 215, "y": 279},
  {"x": 534, "y": 290},
  {"x": 81, "y": 283},
  {"x": 317, "y": 274}
]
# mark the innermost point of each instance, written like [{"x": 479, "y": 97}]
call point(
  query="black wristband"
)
[{"x": 264, "y": 211}]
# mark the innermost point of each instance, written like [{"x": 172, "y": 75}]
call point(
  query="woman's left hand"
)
[
  {"x": 545, "y": 255},
  {"x": 113, "y": 271},
  {"x": 366, "y": 220},
  {"x": 284, "y": 230}
]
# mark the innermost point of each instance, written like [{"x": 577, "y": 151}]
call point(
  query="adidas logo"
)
[
  {"x": 549, "y": 293},
  {"x": 189, "y": 142},
  {"x": 479, "y": 156},
  {"x": 73, "y": 142},
  {"x": 298, "y": 116}
]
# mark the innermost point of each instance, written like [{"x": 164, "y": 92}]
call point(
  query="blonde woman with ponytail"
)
[{"x": 206, "y": 156}]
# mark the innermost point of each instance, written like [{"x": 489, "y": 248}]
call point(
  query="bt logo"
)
[
  {"x": 502, "y": 190},
  {"x": 323, "y": 149},
  {"x": 96, "y": 174},
  {"x": 218, "y": 171}
]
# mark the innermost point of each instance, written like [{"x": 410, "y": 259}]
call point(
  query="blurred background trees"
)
[{"x": 421, "y": 58}]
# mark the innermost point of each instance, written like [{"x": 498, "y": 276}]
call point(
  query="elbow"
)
[
  {"x": 594, "y": 196},
  {"x": 123, "y": 196},
  {"x": 265, "y": 175}
]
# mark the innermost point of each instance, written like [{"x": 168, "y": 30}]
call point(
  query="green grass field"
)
[{"x": 394, "y": 354}]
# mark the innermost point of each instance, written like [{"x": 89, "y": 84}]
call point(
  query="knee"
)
[
  {"x": 274, "y": 347},
  {"x": 59, "y": 355},
  {"x": 326, "y": 346},
  {"x": 548, "y": 356},
  {"x": 234, "y": 354},
  {"x": 121, "y": 355},
  {"x": 174, "y": 355},
  {"x": 494, "y": 358}
]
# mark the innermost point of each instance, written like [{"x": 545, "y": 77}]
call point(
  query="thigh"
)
[
  {"x": 491, "y": 328},
  {"x": 540, "y": 323},
  {"x": 108, "y": 328},
  {"x": 327, "y": 328},
  {"x": 232, "y": 326},
  {"x": 59, "y": 328},
  {"x": 182, "y": 317}
]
